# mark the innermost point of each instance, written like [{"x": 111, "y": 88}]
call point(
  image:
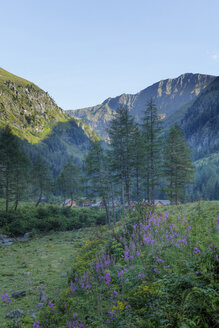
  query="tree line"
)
[{"x": 139, "y": 162}]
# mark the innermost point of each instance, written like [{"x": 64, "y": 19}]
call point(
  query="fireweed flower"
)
[
  {"x": 50, "y": 305},
  {"x": 196, "y": 250},
  {"x": 36, "y": 324},
  {"x": 6, "y": 298},
  {"x": 141, "y": 275},
  {"x": 107, "y": 278}
]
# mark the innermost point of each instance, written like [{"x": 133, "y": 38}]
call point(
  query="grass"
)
[
  {"x": 34, "y": 266},
  {"x": 152, "y": 270},
  {"x": 182, "y": 292}
]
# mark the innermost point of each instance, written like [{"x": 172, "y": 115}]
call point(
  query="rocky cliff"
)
[{"x": 169, "y": 95}]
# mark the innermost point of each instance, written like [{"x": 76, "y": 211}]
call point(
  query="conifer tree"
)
[
  {"x": 216, "y": 190},
  {"x": 97, "y": 173},
  {"x": 151, "y": 129},
  {"x": 68, "y": 180},
  {"x": 177, "y": 166},
  {"x": 138, "y": 162},
  {"x": 121, "y": 131},
  {"x": 13, "y": 164},
  {"x": 21, "y": 178},
  {"x": 41, "y": 180}
]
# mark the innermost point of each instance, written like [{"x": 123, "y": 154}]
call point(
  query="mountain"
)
[
  {"x": 43, "y": 127},
  {"x": 169, "y": 95}
]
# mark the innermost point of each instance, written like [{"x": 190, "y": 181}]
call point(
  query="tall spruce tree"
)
[
  {"x": 97, "y": 174},
  {"x": 151, "y": 129},
  {"x": 13, "y": 164},
  {"x": 177, "y": 167},
  {"x": 121, "y": 131},
  {"x": 138, "y": 162},
  {"x": 69, "y": 180},
  {"x": 41, "y": 180},
  {"x": 21, "y": 178}
]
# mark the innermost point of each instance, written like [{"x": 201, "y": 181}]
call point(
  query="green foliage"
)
[
  {"x": 177, "y": 166},
  {"x": 151, "y": 130},
  {"x": 45, "y": 218},
  {"x": 167, "y": 284}
]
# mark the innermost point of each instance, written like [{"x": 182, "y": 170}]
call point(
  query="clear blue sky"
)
[{"x": 84, "y": 51}]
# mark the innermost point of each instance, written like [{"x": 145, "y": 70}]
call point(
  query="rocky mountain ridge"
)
[{"x": 169, "y": 96}]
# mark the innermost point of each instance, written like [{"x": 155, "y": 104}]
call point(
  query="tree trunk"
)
[
  {"x": 107, "y": 211},
  {"x": 6, "y": 192},
  {"x": 113, "y": 205},
  {"x": 137, "y": 184},
  {"x": 16, "y": 203},
  {"x": 71, "y": 200},
  {"x": 40, "y": 197},
  {"x": 123, "y": 198},
  {"x": 128, "y": 191}
]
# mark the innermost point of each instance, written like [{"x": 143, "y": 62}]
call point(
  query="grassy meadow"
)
[{"x": 153, "y": 269}]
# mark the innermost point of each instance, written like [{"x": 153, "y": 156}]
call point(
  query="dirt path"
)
[{"x": 40, "y": 264}]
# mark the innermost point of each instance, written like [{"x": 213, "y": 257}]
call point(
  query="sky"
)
[{"x": 84, "y": 51}]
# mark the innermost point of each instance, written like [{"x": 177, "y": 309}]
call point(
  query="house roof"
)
[
  {"x": 68, "y": 200},
  {"x": 156, "y": 201}
]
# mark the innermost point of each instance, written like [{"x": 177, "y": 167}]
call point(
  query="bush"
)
[{"x": 49, "y": 217}]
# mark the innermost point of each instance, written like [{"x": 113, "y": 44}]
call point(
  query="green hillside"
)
[
  {"x": 29, "y": 111},
  {"x": 40, "y": 124}
]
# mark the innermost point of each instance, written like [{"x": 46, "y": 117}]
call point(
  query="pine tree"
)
[
  {"x": 21, "y": 178},
  {"x": 151, "y": 129},
  {"x": 121, "y": 131},
  {"x": 69, "y": 180},
  {"x": 216, "y": 190},
  {"x": 138, "y": 162},
  {"x": 41, "y": 180},
  {"x": 12, "y": 168},
  {"x": 97, "y": 173},
  {"x": 177, "y": 166}
]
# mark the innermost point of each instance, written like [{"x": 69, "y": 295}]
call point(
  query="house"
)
[
  {"x": 162, "y": 202},
  {"x": 116, "y": 204},
  {"x": 86, "y": 203},
  {"x": 158, "y": 202},
  {"x": 69, "y": 203},
  {"x": 98, "y": 204}
]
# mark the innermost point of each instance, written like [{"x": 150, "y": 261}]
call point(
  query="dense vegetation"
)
[{"x": 154, "y": 269}]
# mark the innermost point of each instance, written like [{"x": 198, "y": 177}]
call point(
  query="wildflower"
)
[
  {"x": 51, "y": 305},
  {"x": 156, "y": 270},
  {"x": 160, "y": 261},
  {"x": 107, "y": 278},
  {"x": 6, "y": 298},
  {"x": 36, "y": 324},
  {"x": 141, "y": 275},
  {"x": 196, "y": 250}
]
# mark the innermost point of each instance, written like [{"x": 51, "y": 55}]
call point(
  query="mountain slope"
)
[
  {"x": 42, "y": 126},
  {"x": 201, "y": 121},
  {"x": 169, "y": 95}
]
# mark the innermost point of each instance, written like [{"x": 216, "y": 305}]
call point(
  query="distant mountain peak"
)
[{"x": 169, "y": 95}]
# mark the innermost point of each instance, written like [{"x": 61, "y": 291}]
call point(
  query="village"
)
[{"x": 88, "y": 203}]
